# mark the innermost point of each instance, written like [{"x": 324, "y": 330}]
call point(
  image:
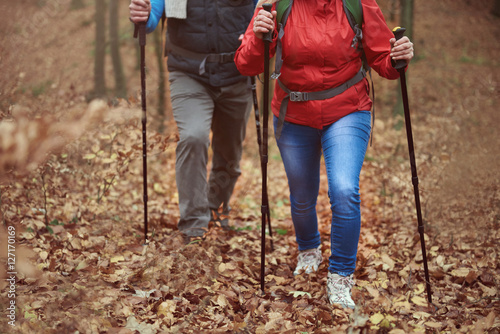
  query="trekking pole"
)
[
  {"x": 257, "y": 115},
  {"x": 259, "y": 142},
  {"x": 400, "y": 66},
  {"x": 140, "y": 29},
  {"x": 267, "y": 38}
]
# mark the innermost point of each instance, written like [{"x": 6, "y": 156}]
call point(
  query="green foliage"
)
[{"x": 40, "y": 88}]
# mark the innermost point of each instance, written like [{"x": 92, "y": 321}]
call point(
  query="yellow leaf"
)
[
  {"x": 278, "y": 279},
  {"x": 433, "y": 250},
  {"x": 372, "y": 291},
  {"x": 118, "y": 258},
  {"x": 30, "y": 315},
  {"x": 158, "y": 189},
  {"x": 421, "y": 315},
  {"x": 388, "y": 262},
  {"x": 420, "y": 288},
  {"x": 489, "y": 292},
  {"x": 376, "y": 318},
  {"x": 81, "y": 265},
  {"x": 397, "y": 331},
  {"x": 402, "y": 304},
  {"x": 89, "y": 156},
  {"x": 222, "y": 267},
  {"x": 167, "y": 308},
  {"x": 299, "y": 293},
  {"x": 460, "y": 272},
  {"x": 433, "y": 324},
  {"x": 43, "y": 255},
  {"x": 221, "y": 301},
  {"x": 419, "y": 301}
]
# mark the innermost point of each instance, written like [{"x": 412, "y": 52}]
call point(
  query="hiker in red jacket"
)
[{"x": 321, "y": 106}]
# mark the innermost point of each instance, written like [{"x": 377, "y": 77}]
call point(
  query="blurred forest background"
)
[{"x": 71, "y": 186}]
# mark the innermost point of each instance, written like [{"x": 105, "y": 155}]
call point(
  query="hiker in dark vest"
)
[
  {"x": 208, "y": 94},
  {"x": 321, "y": 106}
]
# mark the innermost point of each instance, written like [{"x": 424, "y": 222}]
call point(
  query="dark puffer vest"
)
[{"x": 203, "y": 45}]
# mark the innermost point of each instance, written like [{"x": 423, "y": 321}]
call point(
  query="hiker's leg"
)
[
  {"x": 300, "y": 149},
  {"x": 193, "y": 109},
  {"x": 232, "y": 107},
  {"x": 344, "y": 146}
]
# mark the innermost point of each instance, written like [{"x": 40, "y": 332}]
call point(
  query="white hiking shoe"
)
[
  {"x": 338, "y": 289},
  {"x": 308, "y": 261}
]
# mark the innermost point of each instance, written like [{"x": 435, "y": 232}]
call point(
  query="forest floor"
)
[{"x": 72, "y": 207}]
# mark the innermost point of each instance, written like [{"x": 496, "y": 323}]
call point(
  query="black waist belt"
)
[
  {"x": 311, "y": 96},
  {"x": 220, "y": 58}
]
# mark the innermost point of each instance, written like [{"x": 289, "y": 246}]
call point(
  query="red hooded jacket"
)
[{"x": 317, "y": 55}]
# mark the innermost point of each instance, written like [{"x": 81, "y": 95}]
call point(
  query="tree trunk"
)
[
  {"x": 394, "y": 5},
  {"x": 407, "y": 17},
  {"x": 114, "y": 40},
  {"x": 496, "y": 8},
  {"x": 100, "y": 49}
]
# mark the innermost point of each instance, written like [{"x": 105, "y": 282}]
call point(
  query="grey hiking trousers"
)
[{"x": 199, "y": 108}]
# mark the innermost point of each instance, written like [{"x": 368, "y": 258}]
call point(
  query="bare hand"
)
[
  {"x": 263, "y": 22},
  {"x": 401, "y": 49},
  {"x": 139, "y": 10}
]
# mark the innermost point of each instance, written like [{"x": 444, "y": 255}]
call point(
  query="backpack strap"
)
[
  {"x": 283, "y": 9},
  {"x": 354, "y": 13}
]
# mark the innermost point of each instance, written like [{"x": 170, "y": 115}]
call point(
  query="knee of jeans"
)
[
  {"x": 302, "y": 208},
  {"x": 344, "y": 197}
]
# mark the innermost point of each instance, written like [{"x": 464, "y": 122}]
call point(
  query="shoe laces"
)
[
  {"x": 309, "y": 259},
  {"x": 339, "y": 289}
]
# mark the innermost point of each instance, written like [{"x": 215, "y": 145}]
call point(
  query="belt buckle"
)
[
  {"x": 227, "y": 58},
  {"x": 297, "y": 97}
]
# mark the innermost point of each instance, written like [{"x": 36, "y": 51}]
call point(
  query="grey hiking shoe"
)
[
  {"x": 308, "y": 261},
  {"x": 338, "y": 289}
]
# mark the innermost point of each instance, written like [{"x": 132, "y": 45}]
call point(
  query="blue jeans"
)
[{"x": 343, "y": 145}]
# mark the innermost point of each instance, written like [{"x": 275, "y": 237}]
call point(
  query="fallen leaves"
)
[{"x": 98, "y": 277}]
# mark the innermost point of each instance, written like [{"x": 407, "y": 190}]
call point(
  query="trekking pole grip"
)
[
  {"x": 268, "y": 35},
  {"x": 398, "y": 34}
]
